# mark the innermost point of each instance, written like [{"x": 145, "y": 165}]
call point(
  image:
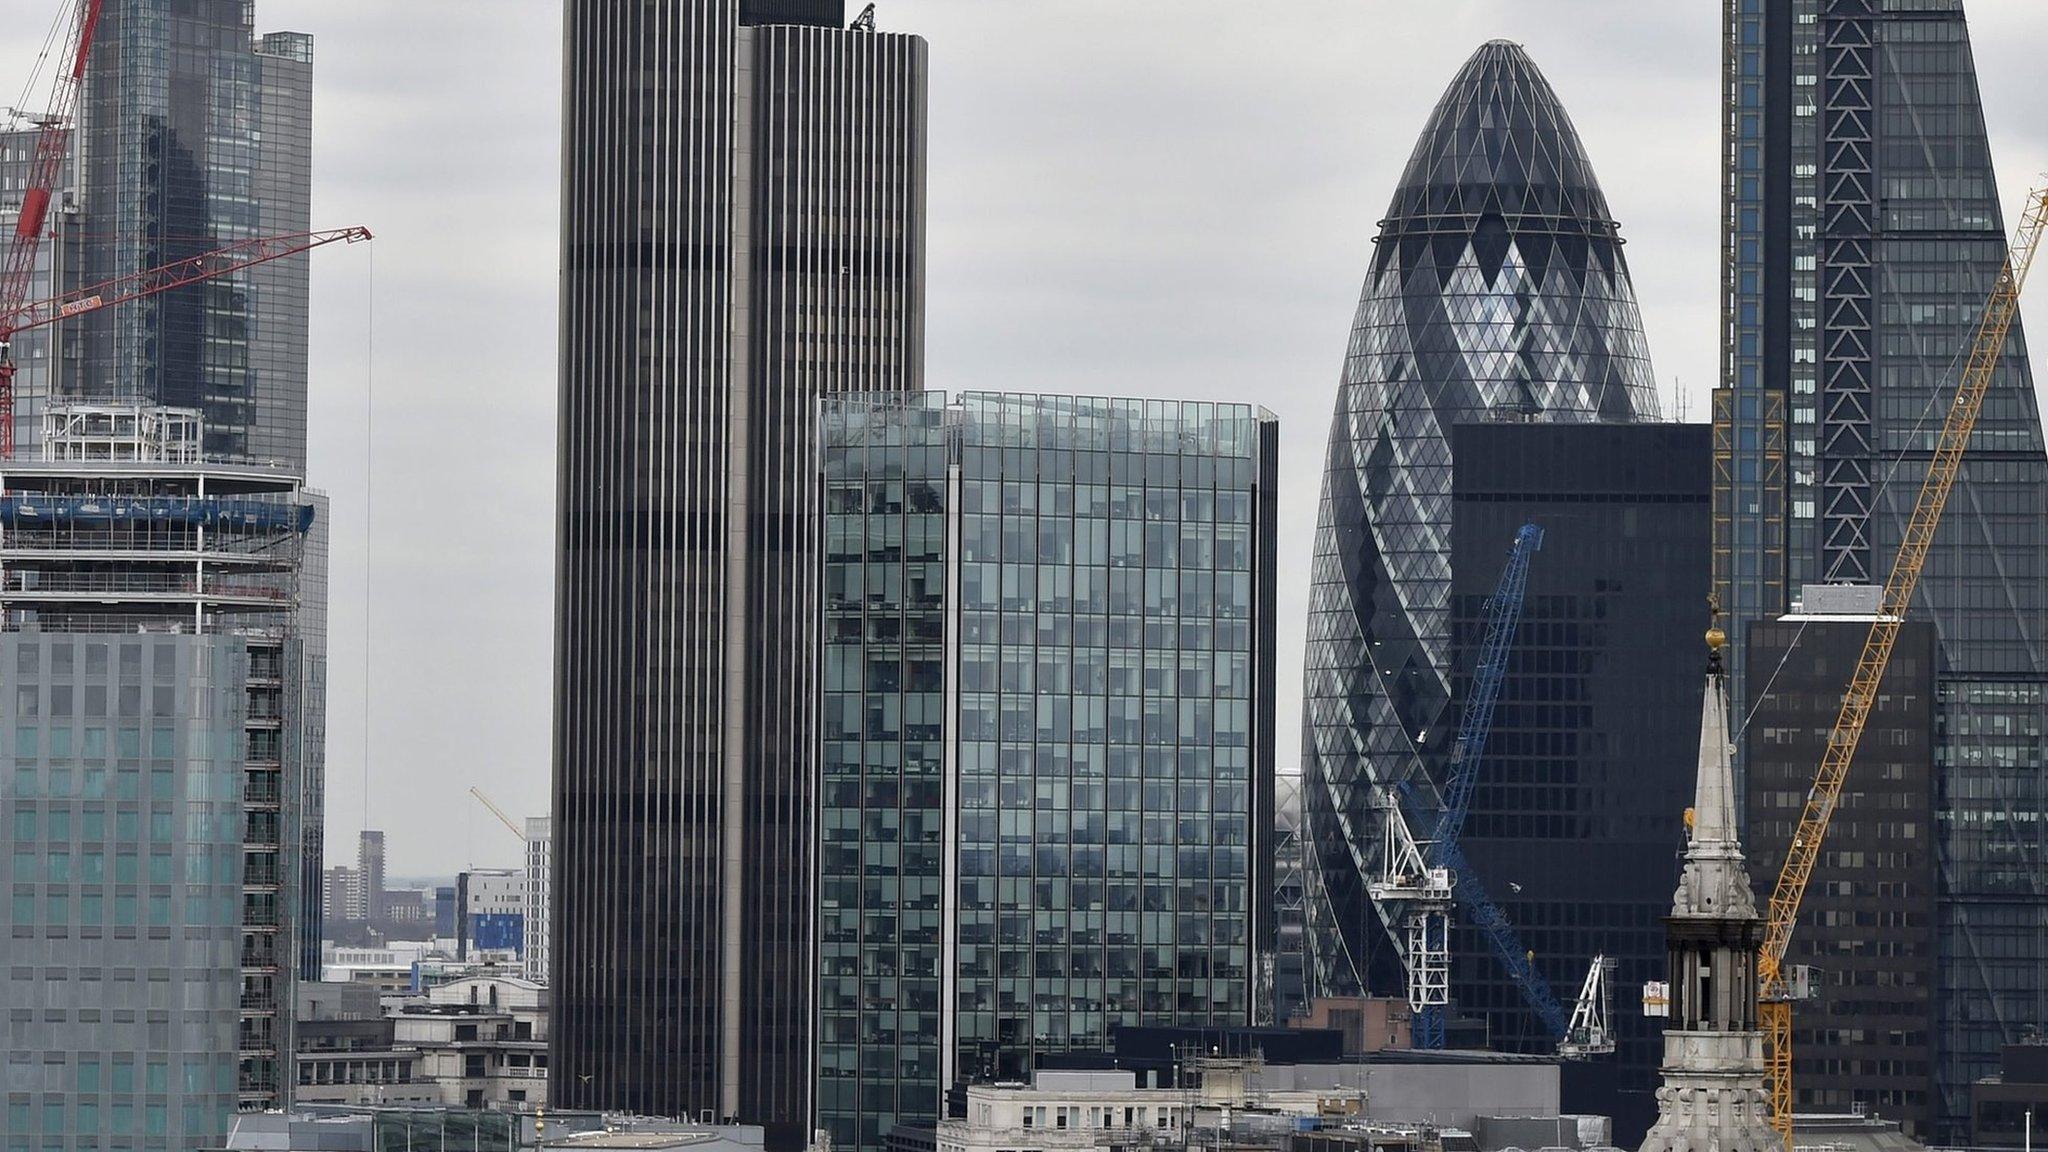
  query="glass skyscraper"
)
[
  {"x": 150, "y": 775},
  {"x": 1497, "y": 291},
  {"x": 1580, "y": 800},
  {"x": 43, "y": 357},
  {"x": 1048, "y": 735},
  {"x": 743, "y": 233},
  {"x": 1863, "y": 234},
  {"x": 194, "y": 133}
]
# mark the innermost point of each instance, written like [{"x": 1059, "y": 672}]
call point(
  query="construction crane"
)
[
  {"x": 1804, "y": 852},
  {"x": 1424, "y": 880},
  {"x": 53, "y": 144},
  {"x": 499, "y": 813},
  {"x": 17, "y": 317},
  {"x": 1591, "y": 1032},
  {"x": 1520, "y": 962}
]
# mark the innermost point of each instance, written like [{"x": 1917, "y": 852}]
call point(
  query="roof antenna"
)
[{"x": 865, "y": 22}]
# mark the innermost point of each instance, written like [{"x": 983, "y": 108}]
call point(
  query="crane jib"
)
[{"x": 1803, "y": 853}]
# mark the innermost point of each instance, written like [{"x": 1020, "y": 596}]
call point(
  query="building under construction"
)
[{"x": 149, "y": 633}]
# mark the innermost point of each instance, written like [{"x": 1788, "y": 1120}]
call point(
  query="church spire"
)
[
  {"x": 1713, "y": 1096},
  {"x": 1715, "y": 883}
]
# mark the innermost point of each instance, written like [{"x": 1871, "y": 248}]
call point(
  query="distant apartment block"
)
[{"x": 539, "y": 887}]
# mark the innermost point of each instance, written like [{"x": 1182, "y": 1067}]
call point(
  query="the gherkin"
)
[{"x": 1497, "y": 291}]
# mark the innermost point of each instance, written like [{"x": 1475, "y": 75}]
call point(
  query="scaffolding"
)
[{"x": 136, "y": 432}]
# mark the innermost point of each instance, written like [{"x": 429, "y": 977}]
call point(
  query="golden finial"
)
[{"x": 1716, "y": 639}]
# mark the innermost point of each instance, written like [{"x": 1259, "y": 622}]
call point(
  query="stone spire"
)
[
  {"x": 1713, "y": 1097},
  {"x": 1715, "y": 884}
]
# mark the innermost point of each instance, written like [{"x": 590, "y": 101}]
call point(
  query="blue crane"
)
[{"x": 1444, "y": 853}]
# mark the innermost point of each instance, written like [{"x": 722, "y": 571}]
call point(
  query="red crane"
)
[
  {"x": 53, "y": 143},
  {"x": 20, "y": 317}
]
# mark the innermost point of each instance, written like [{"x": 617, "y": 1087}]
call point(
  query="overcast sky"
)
[{"x": 1171, "y": 198}]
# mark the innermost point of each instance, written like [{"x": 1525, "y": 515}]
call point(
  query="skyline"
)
[{"x": 1198, "y": 296}]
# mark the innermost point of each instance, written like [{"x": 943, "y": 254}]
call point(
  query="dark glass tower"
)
[
  {"x": 1497, "y": 290},
  {"x": 1868, "y": 919},
  {"x": 196, "y": 133},
  {"x": 743, "y": 233},
  {"x": 1581, "y": 795},
  {"x": 1048, "y": 735},
  {"x": 1863, "y": 236}
]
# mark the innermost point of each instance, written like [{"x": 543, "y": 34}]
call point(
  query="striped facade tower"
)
[{"x": 743, "y": 233}]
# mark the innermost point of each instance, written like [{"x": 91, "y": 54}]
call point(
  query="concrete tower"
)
[{"x": 1713, "y": 1095}]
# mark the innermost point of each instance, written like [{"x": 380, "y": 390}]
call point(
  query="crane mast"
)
[
  {"x": 1803, "y": 853},
  {"x": 53, "y": 144},
  {"x": 1423, "y": 879}
]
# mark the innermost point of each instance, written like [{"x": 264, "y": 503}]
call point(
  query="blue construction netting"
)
[{"x": 202, "y": 511}]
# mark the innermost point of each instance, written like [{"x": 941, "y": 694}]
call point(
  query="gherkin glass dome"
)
[{"x": 1497, "y": 290}]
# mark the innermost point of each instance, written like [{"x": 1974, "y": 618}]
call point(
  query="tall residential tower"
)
[
  {"x": 1863, "y": 237},
  {"x": 743, "y": 233}
]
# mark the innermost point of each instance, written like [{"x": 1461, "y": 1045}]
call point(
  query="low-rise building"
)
[
  {"x": 482, "y": 1039},
  {"x": 347, "y": 1053},
  {"x": 1367, "y": 1023},
  {"x": 478, "y": 1042},
  {"x": 1475, "y": 1101},
  {"x": 2001, "y": 1104}
]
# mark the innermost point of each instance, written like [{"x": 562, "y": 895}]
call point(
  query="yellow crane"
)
[
  {"x": 499, "y": 813},
  {"x": 1804, "y": 852}
]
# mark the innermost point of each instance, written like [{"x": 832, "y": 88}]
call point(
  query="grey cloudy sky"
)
[{"x": 1168, "y": 198}]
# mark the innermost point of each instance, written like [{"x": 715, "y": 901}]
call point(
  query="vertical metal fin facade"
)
[
  {"x": 743, "y": 232},
  {"x": 837, "y": 306}
]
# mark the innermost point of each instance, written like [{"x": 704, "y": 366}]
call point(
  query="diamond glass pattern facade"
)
[
  {"x": 1497, "y": 290},
  {"x": 1048, "y": 735},
  {"x": 1864, "y": 234}
]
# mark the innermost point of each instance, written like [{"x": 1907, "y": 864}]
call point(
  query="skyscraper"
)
[
  {"x": 1867, "y": 922},
  {"x": 1497, "y": 290},
  {"x": 43, "y": 357},
  {"x": 368, "y": 898},
  {"x": 150, "y": 777},
  {"x": 743, "y": 233},
  {"x": 1863, "y": 234},
  {"x": 1048, "y": 735},
  {"x": 1581, "y": 794},
  {"x": 194, "y": 133}
]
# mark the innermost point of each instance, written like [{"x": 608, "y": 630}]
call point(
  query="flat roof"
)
[{"x": 255, "y": 475}]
